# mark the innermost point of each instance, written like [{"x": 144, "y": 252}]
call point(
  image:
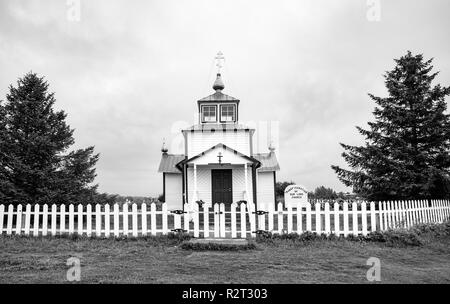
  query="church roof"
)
[
  {"x": 169, "y": 161},
  {"x": 268, "y": 161},
  {"x": 218, "y": 96}
]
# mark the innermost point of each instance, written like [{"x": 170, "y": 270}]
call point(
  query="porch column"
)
[
  {"x": 246, "y": 182},
  {"x": 194, "y": 197}
]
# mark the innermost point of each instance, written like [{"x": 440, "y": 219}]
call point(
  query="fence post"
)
[
  {"x": 262, "y": 217},
  {"x": 27, "y": 220},
  {"x": 186, "y": 217},
  {"x": 252, "y": 218},
  {"x": 80, "y": 220},
  {"x": 346, "y": 216},
  {"x": 308, "y": 217},
  {"x": 355, "y": 218},
  {"x": 206, "y": 220},
  {"x": 144, "y": 219},
  {"x": 116, "y": 220},
  {"x": 233, "y": 220},
  {"x": 71, "y": 219},
  {"x": 107, "y": 221},
  {"x": 62, "y": 219},
  {"x": 53, "y": 219},
  {"x": 89, "y": 220},
  {"x": 10, "y": 219},
  {"x": 364, "y": 218},
  {"x": 134, "y": 219},
  {"x": 243, "y": 221},
  {"x": 336, "y": 219},
  {"x": 327, "y": 218},
  {"x": 280, "y": 218},
  {"x": 2, "y": 214},
  {"x": 19, "y": 220},
  {"x": 164, "y": 219}
]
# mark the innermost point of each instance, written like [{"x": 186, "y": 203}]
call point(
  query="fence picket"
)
[
  {"x": 270, "y": 215},
  {"x": 116, "y": 220},
  {"x": 62, "y": 219},
  {"x": 233, "y": 220},
  {"x": 134, "y": 219},
  {"x": 355, "y": 218},
  {"x": 243, "y": 221},
  {"x": 327, "y": 218},
  {"x": 89, "y": 220},
  {"x": 19, "y": 220},
  {"x": 336, "y": 219},
  {"x": 222, "y": 220},
  {"x": 80, "y": 220},
  {"x": 125, "y": 219},
  {"x": 252, "y": 219},
  {"x": 216, "y": 221},
  {"x": 144, "y": 219},
  {"x": 196, "y": 221},
  {"x": 2, "y": 215},
  {"x": 318, "y": 218},
  {"x": 44, "y": 220},
  {"x": 262, "y": 218},
  {"x": 289, "y": 218},
  {"x": 27, "y": 220},
  {"x": 280, "y": 218},
  {"x": 346, "y": 216},
  {"x": 71, "y": 219},
  {"x": 373, "y": 222},
  {"x": 107, "y": 221},
  {"x": 164, "y": 219},
  {"x": 299, "y": 219},
  {"x": 98, "y": 220},
  {"x": 308, "y": 217},
  {"x": 53, "y": 219},
  {"x": 206, "y": 220},
  {"x": 364, "y": 218},
  {"x": 10, "y": 219},
  {"x": 186, "y": 218}
]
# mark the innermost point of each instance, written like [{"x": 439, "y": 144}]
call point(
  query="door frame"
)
[{"x": 212, "y": 183}]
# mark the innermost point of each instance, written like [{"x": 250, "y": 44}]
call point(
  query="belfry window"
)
[
  {"x": 227, "y": 113},
  {"x": 209, "y": 113}
]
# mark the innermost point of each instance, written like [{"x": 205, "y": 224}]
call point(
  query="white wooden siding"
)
[
  {"x": 198, "y": 142},
  {"x": 265, "y": 191},
  {"x": 204, "y": 183},
  {"x": 228, "y": 157},
  {"x": 174, "y": 190}
]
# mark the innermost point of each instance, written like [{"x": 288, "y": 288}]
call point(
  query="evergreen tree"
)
[
  {"x": 406, "y": 154},
  {"x": 35, "y": 165}
]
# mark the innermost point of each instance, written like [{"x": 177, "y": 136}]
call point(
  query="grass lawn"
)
[{"x": 43, "y": 260}]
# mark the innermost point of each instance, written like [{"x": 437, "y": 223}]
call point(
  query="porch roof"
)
[
  {"x": 169, "y": 161},
  {"x": 268, "y": 161}
]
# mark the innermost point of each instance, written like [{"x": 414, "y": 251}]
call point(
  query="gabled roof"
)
[
  {"x": 268, "y": 161},
  {"x": 252, "y": 159},
  {"x": 218, "y": 96},
  {"x": 169, "y": 161}
]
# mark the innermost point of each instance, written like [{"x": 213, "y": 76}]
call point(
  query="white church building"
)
[{"x": 219, "y": 164}]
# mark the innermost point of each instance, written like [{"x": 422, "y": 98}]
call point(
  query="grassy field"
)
[{"x": 161, "y": 260}]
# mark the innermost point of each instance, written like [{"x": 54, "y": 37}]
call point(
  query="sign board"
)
[{"x": 294, "y": 195}]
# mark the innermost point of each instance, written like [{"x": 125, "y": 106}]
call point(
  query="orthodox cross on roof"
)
[
  {"x": 219, "y": 156},
  {"x": 219, "y": 61}
]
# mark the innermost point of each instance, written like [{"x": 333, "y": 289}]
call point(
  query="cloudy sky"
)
[{"x": 128, "y": 73}]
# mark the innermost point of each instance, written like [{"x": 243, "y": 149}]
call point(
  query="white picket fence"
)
[{"x": 237, "y": 221}]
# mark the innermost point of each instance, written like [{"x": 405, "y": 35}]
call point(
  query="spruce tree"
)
[
  {"x": 35, "y": 164},
  {"x": 406, "y": 151}
]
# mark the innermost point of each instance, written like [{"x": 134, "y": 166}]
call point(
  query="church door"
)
[{"x": 222, "y": 186}]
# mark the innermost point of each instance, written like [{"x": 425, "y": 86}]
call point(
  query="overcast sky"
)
[{"x": 128, "y": 73}]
